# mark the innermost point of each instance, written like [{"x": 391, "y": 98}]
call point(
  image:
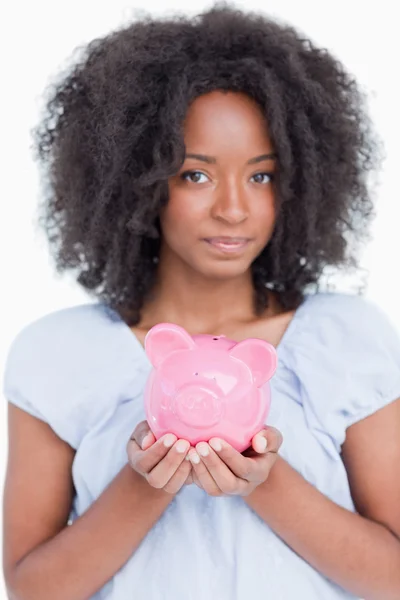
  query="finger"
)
[
  {"x": 180, "y": 478},
  {"x": 267, "y": 440},
  {"x": 202, "y": 476},
  {"x": 196, "y": 480},
  {"x": 243, "y": 467},
  {"x": 189, "y": 479},
  {"x": 224, "y": 478},
  {"x": 160, "y": 475},
  {"x": 143, "y": 461}
]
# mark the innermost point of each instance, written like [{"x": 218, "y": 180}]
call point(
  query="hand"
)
[
  {"x": 162, "y": 463},
  {"x": 221, "y": 470}
]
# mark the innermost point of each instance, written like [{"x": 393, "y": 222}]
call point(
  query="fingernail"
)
[
  {"x": 182, "y": 446},
  {"x": 202, "y": 449},
  {"x": 216, "y": 445},
  {"x": 262, "y": 444},
  {"x": 169, "y": 440},
  {"x": 195, "y": 458}
]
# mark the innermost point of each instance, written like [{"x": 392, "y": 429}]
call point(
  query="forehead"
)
[{"x": 226, "y": 120}]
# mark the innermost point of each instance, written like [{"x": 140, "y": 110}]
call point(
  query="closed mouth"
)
[{"x": 228, "y": 243}]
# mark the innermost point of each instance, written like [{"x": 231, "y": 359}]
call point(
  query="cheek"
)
[
  {"x": 183, "y": 216},
  {"x": 264, "y": 214},
  {"x": 178, "y": 225}
]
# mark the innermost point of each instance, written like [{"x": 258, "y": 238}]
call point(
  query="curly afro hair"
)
[{"x": 112, "y": 134}]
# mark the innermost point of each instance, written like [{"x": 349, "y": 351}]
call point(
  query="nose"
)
[{"x": 230, "y": 205}]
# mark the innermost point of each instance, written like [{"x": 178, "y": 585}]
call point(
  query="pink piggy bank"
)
[{"x": 207, "y": 386}]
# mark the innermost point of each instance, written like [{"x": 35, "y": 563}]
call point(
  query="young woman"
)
[{"x": 204, "y": 172}]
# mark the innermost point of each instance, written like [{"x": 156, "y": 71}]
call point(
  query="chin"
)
[{"x": 224, "y": 271}]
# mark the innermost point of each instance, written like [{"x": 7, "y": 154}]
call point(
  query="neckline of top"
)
[{"x": 292, "y": 326}]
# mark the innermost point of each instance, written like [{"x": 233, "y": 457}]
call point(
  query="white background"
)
[{"x": 38, "y": 38}]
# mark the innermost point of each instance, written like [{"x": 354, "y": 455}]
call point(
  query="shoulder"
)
[
  {"x": 345, "y": 353},
  {"x": 342, "y": 329},
  {"x": 327, "y": 302},
  {"x": 65, "y": 366},
  {"x": 78, "y": 335},
  {"x": 59, "y": 329},
  {"x": 343, "y": 315},
  {"x": 76, "y": 341}
]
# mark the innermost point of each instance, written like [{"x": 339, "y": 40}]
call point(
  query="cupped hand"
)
[
  {"x": 221, "y": 470},
  {"x": 162, "y": 463}
]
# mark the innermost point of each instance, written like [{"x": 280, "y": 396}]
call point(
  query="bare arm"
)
[
  {"x": 43, "y": 557},
  {"x": 360, "y": 552}
]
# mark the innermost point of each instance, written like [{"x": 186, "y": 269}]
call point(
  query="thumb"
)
[
  {"x": 143, "y": 436},
  {"x": 268, "y": 439},
  {"x": 148, "y": 440}
]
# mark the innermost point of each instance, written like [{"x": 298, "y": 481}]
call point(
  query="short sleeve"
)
[
  {"x": 346, "y": 357},
  {"x": 17, "y": 374},
  {"x": 68, "y": 369}
]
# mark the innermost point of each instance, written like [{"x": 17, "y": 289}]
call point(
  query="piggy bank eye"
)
[{"x": 196, "y": 374}]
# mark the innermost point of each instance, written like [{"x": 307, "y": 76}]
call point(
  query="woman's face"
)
[{"x": 221, "y": 210}]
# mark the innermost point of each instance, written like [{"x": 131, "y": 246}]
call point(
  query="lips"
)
[{"x": 228, "y": 244}]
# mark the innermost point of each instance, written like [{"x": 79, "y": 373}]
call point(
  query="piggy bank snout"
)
[{"x": 198, "y": 406}]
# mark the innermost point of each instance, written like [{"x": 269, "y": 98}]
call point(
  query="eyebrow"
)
[{"x": 212, "y": 160}]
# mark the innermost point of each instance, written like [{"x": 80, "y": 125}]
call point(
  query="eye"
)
[
  {"x": 264, "y": 174},
  {"x": 192, "y": 174},
  {"x": 195, "y": 177}
]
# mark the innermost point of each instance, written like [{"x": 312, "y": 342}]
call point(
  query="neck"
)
[{"x": 198, "y": 304}]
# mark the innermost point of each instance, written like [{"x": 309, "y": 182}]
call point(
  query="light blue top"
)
[{"x": 82, "y": 371}]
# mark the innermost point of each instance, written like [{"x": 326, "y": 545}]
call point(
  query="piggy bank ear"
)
[
  {"x": 259, "y": 356},
  {"x": 165, "y": 338}
]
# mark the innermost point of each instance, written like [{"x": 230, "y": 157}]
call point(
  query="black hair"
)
[{"x": 112, "y": 134}]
